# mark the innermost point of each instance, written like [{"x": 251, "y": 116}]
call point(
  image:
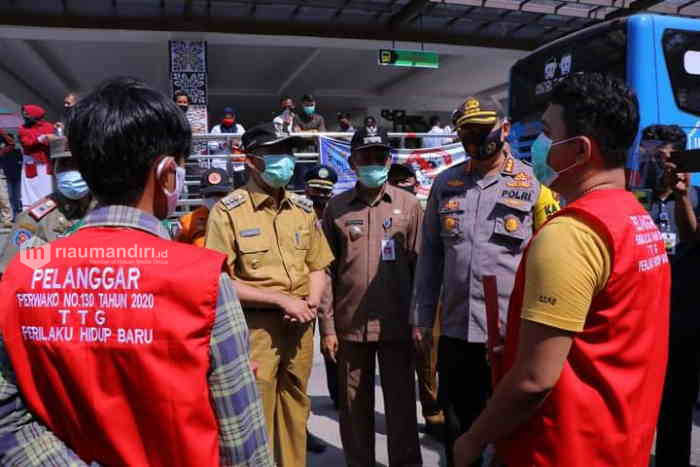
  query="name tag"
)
[
  {"x": 250, "y": 233},
  {"x": 388, "y": 250},
  {"x": 355, "y": 222},
  {"x": 670, "y": 242}
]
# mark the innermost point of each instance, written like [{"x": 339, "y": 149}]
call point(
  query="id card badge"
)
[
  {"x": 669, "y": 239},
  {"x": 388, "y": 250}
]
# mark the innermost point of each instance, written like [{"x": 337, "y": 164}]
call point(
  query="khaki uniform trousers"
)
[
  {"x": 426, "y": 370},
  {"x": 356, "y": 370},
  {"x": 284, "y": 353}
]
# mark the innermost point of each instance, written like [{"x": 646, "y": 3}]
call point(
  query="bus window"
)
[
  {"x": 682, "y": 54},
  {"x": 533, "y": 78}
]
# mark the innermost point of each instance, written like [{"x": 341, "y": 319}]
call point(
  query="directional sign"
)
[{"x": 409, "y": 58}]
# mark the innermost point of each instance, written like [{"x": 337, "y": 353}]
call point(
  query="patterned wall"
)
[{"x": 188, "y": 73}]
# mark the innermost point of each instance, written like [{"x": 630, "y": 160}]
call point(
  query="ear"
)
[
  {"x": 585, "y": 151},
  {"x": 165, "y": 174},
  {"x": 253, "y": 163}
]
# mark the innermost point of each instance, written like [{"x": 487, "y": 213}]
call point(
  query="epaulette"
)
[
  {"x": 233, "y": 200},
  {"x": 41, "y": 208},
  {"x": 526, "y": 162},
  {"x": 305, "y": 204}
]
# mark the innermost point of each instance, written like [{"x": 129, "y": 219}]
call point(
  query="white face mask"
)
[
  {"x": 211, "y": 201},
  {"x": 179, "y": 186}
]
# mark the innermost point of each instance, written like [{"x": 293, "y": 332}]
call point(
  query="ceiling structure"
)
[{"x": 261, "y": 49}]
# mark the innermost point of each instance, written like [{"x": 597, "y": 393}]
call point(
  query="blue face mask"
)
[
  {"x": 71, "y": 184},
  {"x": 279, "y": 169},
  {"x": 372, "y": 176},
  {"x": 309, "y": 109},
  {"x": 540, "y": 154}
]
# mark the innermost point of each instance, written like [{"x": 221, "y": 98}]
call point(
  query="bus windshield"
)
[{"x": 603, "y": 49}]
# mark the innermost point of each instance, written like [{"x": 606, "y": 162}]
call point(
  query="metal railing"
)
[{"x": 209, "y": 148}]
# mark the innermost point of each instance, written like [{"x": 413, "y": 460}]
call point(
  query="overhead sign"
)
[{"x": 409, "y": 58}]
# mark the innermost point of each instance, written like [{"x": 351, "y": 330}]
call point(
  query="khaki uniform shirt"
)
[
  {"x": 372, "y": 294},
  {"x": 268, "y": 246},
  {"x": 49, "y": 218},
  {"x": 475, "y": 226}
]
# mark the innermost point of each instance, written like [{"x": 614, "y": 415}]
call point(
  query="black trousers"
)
[
  {"x": 464, "y": 387},
  {"x": 678, "y": 403}
]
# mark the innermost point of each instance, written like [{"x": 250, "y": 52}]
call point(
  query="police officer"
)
[
  {"x": 54, "y": 215},
  {"x": 318, "y": 186},
  {"x": 277, "y": 256},
  {"x": 479, "y": 217},
  {"x": 214, "y": 185}
]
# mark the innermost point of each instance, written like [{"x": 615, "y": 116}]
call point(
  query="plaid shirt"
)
[{"x": 242, "y": 437}]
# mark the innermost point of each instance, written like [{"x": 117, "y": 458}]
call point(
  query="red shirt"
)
[
  {"x": 114, "y": 355},
  {"x": 603, "y": 410},
  {"x": 29, "y": 138}
]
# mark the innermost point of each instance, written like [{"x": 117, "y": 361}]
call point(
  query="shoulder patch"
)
[
  {"x": 233, "y": 200},
  {"x": 41, "y": 208},
  {"x": 20, "y": 236},
  {"x": 305, "y": 204}
]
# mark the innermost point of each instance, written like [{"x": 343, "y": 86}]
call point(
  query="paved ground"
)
[{"x": 324, "y": 422}]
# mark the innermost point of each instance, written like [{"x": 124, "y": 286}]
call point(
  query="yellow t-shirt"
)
[
  {"x": 568, "y": 263},
  {"x": 546, "y": 205}
]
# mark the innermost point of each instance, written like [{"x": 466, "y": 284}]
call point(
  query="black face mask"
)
[
  {"x": 28, "y": 121},
  {"x": 183, "y": 108},
  {"x": 483, "y": 145}
]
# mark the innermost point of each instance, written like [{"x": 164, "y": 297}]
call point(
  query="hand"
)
[
  {"x": 329, "y": 347},
  {"x": 296, "y": 310},
  {"x": 466, "y": 450},
  {"x": 678, "y": 181},
  {"x": 254, "y": 367},
  {"x": 422, "y": 337}
]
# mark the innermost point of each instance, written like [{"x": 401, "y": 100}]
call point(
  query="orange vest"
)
[
  {"x": 193, "y": 227},
  {"x": 113, "y": 356},
  {"x": 603, "y": 410}
]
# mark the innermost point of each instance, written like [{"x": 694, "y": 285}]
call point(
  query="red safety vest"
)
[
  {"x": 603, "y": 410},
  {"x": 113, "y": 356}
]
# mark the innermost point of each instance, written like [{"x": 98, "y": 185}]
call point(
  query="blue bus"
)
[{"x": 658, "y": 56}]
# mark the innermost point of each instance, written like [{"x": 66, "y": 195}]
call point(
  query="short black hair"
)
[
  {"x": 180, "y": 93},
  {"x": 434, "y": 120},
  {"x": 669, "y": 134},
  {"x": 603, "y": 108},
  {"x": 118, "y": 131},
  {"x": 308, "y": 98},
  {"x": 342, "y": 115}
]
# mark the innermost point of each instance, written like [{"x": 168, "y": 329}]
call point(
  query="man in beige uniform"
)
[
  {"x": 277, "y": 256},
  {"x": 374, "y": 231}
]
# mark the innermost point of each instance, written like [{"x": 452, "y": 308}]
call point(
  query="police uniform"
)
[
  {"x": 474, "y": 226},
  {"x": 274, "y": 247},
  {"x": 46, "y": 220}
]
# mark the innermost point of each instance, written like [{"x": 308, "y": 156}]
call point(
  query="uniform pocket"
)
[
  {"x": 510, "y": 224},
  {"x": 253, "y": 251}
]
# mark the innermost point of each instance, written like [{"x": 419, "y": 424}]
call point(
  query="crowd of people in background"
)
[{"x": 532, "y": 302}]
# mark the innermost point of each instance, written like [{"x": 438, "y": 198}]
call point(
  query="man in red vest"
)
[
  {"x": 110, "y": 350},
  {"x": 586, "y": 342}
]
